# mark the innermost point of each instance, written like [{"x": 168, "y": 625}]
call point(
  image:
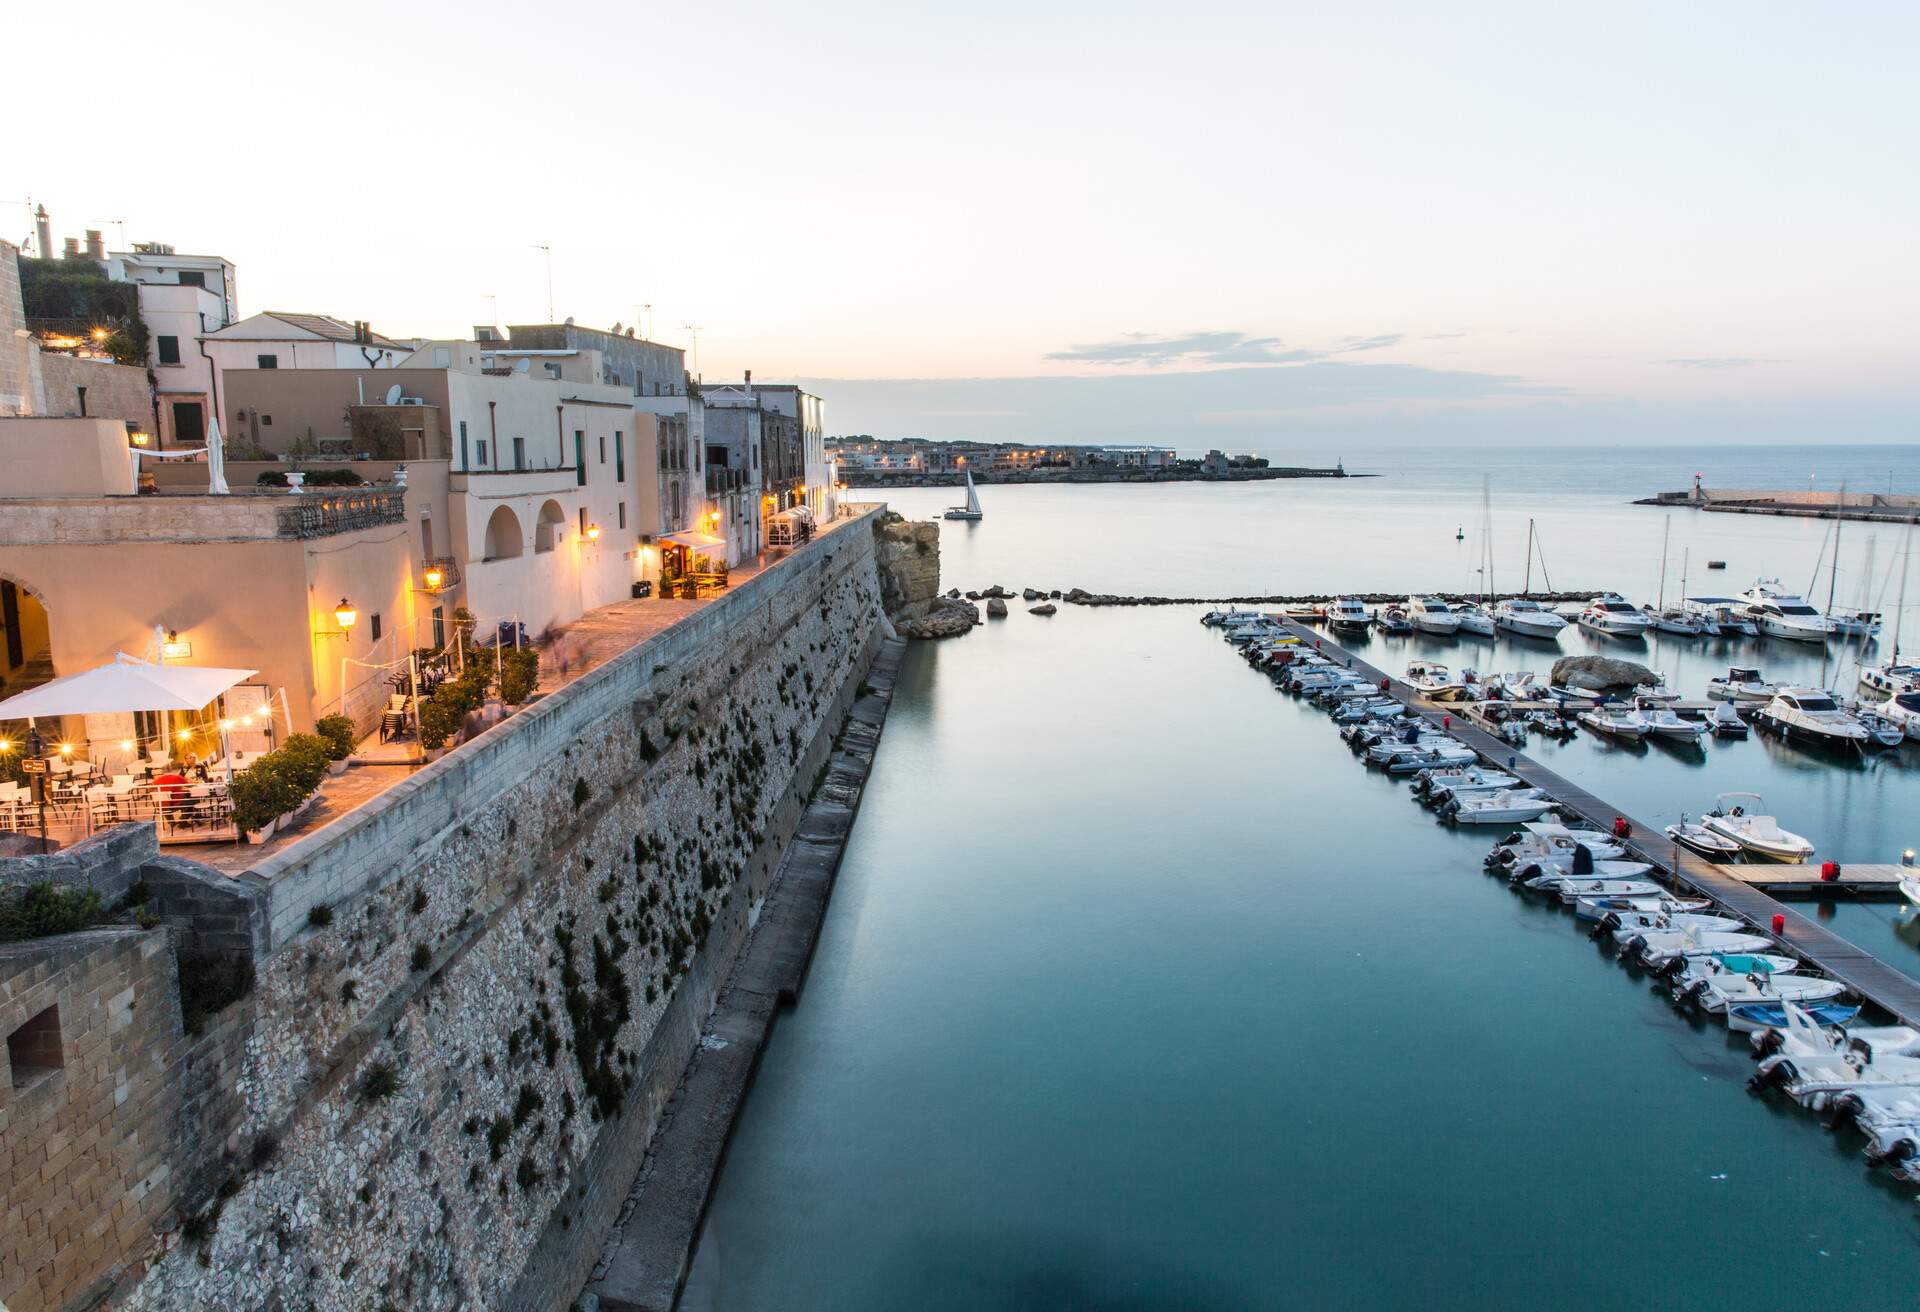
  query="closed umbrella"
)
[{"x": 216, "y": 460}]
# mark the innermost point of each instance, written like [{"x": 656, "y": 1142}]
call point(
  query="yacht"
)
[
  {"x": 1432, "y": 615},
  {"x": 1783, "y": 614},
  {"x": 1890, "y": 679},
  {"x": 1741, "y": 685},
  {"x": 1679, "y": 623},
  {"x": 1904, "y": 710},
  {"x": 1726, "y": 615},
  {"x": 1393, "y": 619},
  {"x": 1811, "y": 716},
  {"x": 1614, "y": 616},
  {"x": 1855, "y": 625},
  {"x": 1475, "y": 620},
  {"x": 1737, "y": 816},
  {"x": 1346, "y": 613},
  {"x": 1528, "y": 619},
  {"x": 1436, "y": 681}
]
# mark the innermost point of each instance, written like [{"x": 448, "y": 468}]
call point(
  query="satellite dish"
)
[
  {"x": 523, "y": 365},
  {"x": 393, "y": 395}
]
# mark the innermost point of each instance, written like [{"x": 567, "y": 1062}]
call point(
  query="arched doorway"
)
[
  {"x": 553, "y": 520},
  {"x": 26, "y": 638},
  {"x": 503, "y": 535}
]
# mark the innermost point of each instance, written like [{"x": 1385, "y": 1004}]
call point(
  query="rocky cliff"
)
[{"x": 907, "y": 555}]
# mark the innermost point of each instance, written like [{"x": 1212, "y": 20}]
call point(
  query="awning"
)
[
  {"x": 129, "y": 684},
  {"x": 698, "y": 541}
]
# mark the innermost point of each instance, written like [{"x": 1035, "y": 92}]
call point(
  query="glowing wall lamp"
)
[
  {"x": 138, "y": 439},
  {"x": 346, "y": 616},
  {"x": 433, "y": 578},
  {"x": 593, "y": 532}
]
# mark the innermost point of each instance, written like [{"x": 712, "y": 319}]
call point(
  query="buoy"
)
[
  {"x": 1829, "y": 871},
  {"x": 1446, "y": 722},
  {"x": 1779, "y": 923},
  {"x": 1385, "y": 683},
  {"x": 1620, "y": 827}
]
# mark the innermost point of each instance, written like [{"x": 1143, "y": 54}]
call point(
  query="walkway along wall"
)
[{"x": 475, "y": 994}]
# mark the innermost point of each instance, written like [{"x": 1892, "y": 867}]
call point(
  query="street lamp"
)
[
  {"x": 593, "y": 532},
  {"x": 433, "y": 578},
  {"x": 346, "y": 615}
]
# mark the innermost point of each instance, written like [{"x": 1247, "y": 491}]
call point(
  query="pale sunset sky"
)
[{"x": 1242, "y": 224}]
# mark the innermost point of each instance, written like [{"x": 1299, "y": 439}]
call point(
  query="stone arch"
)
[
  {"x": 546, "y": 533},
  {"x": 504, "y": 540},
  {"x": 26, "y": 636}
]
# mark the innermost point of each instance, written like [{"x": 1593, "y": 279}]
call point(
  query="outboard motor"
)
[
  {"x": 1691, "y": 995},
  {"x": 1582, "y": 859},
  {"x": 1526, "y": 873},
  {"x": 1774, "y": 1073},
  {"x": 1768, "y": 1042},
  {"x": 1670, "y": 968},
  {"x": 1900, "y": 1150},
  {"x": 1846, "y": 1111},
  {"x": 1633, "y": 947}
]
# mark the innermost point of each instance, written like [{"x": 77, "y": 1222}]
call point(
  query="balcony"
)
[
  {"x": 721, "y": 480},
  {"x": 312, "y": 516}
]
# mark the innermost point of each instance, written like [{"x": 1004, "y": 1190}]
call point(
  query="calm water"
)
[{"x": 1138, "y": 992}]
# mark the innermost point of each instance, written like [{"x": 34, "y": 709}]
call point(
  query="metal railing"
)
[{"x": 319, "y": 516}]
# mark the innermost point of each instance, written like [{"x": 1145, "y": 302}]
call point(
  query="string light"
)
[
  {"x": 185, "y": 735},
  {"x": 66, "y": 749},
  {"x": 126, "y": 744}
]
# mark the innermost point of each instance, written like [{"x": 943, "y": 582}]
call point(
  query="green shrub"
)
[
  {"x": 320, "y": 916},
  {"x": 422, "y": 956},
  {"x": 519, "y": 673},
  {"x": 381, "y": 1082},
  {"x": 339, "y": 733},
  {"x": 40, "y": 910},
  {"x": 209, "y": 985},
  {"x": 437, "y": 723},
  {"x": 307, "y": 755},
  {"x": 271, "y": 478}
]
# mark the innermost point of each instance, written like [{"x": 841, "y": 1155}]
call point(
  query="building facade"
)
[{"x": 183, "y": 298}]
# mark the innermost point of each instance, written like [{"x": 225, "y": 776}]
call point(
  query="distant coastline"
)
[{"x": 895, "y": 478}]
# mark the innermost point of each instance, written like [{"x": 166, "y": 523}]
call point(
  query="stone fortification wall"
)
[
  {"x": 114, "y": 391},
  {"x": 476, "y": 994}
]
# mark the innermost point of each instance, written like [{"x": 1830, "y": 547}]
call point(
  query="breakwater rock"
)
[
  {"x": 1600, "y": 673},
  {"x": 946, "y": 617},
  {"x": 1081, "y": 597}
]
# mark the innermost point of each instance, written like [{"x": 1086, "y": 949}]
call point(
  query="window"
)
[
  {"x": 603, "y": 448},
  {"x": 169, "y": 348},
  {"x": 480, "y": 449},
  {"x": 583, "y": 521},
  {"x": 442, "y": 357},
  {"x": 34, "y": 1050},
  {"x": 579, "y": 458},
  {"x": 266, "y": 421},
  {"x": 268, "y": 361},
  {"x": 619, "y": 456},
  {"x": 426, "y": 536},
  {"x": 463, "y": 444},
  {"x": 374, "y": 627},
  {"x": 439, "y": 626},
  {"x": 192, "y": 278},
  {"x": 519, "y": 453}
]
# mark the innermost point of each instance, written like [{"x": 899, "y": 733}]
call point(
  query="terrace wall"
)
[{"x": 476, "y": 994}]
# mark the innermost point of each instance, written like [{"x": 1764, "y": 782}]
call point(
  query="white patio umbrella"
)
[
  {"x": 128, "y": 684},
  {"x": 216, "y": 460}
]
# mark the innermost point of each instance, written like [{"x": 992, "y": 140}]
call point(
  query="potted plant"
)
[
  {"x": 305, "y": 759},
  {"x": 437, "y": 723},
  {"x": 257, "y": 793},
  {"x": 338, "y": 732}
]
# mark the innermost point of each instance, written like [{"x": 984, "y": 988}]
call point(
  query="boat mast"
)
[
  {"x": 1665, "y": 535},
  {"x": 1527, "y": 586},
  {"x": 1906, "y": 555},
  {"x": 1833, "y": 573}
]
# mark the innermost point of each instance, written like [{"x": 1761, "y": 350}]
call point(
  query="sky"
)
[{"x": 1264, "y": 225}]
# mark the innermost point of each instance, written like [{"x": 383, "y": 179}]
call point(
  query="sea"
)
[{"x": 1137, "y": 991}]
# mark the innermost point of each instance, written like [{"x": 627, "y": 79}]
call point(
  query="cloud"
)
[
  {"x": 1351, "y": 344},
  {"x": 1187, "y": 349},
  {"x": 1716, "y": 362}
]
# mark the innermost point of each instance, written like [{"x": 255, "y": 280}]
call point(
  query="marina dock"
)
[{"x": 1742, "y": 890}]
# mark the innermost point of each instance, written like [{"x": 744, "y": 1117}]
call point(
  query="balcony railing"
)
[
  {"x": 722, "y": 479},
  {"x": 319, "y": 516}
]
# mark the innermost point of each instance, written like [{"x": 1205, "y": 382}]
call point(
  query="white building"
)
[
  {"x": 276, "y": 339},
  {"x": 182, "y": 299}
]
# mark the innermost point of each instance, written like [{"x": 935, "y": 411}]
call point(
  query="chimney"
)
[
  {"x": 72, "y": 251},
  {"x": 96, "y": 245},
  {"x": 43, "y": 234},
  {"x": 749, "y": 382}
]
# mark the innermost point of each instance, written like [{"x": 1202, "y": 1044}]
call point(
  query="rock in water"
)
[
  {"x": 1600, "y": 673},
  {"x": 1044, "y": 608},
  {"x": 949, "y": 618},
  {"x": 1028, "y": 594},
  {"x": 996, "y": 608}
]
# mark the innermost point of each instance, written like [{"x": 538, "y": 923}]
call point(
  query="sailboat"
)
[
  {"x": 1896, "y": 677},
  {"x": 972, "y": 509},
  {"x": 1684, "y": 623},
  {"x": 1523, "y": 616},
  {"x": 1476, "y": 617}
]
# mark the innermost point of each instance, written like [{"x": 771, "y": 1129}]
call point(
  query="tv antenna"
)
[{"x": 694, "y": 328}]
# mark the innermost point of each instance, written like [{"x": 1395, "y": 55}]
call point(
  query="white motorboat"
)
[
  {"x": 1445, "y": 756},
  {"x": 1475, "y": 620},
  {"x": 1727, "y": 722},
  {"x": 1547, "y": 844},
  {"x": 1718, "y": 993},
  {"x": 1436, "y": 681},
  {"x": 1655, "y": 948},
  {"x": 1393, "y": 619},
  {"x": 1613, "y": 615},
  {"x": 1615, "y": 722},
  {"x": 1513, "y": 806},
  {"x": 1890, "y": 1118},
  {"x": 1891, "y": 679},
  {"x": 1813, "y": 1079},
  {"x": 1802, "y": 1035},
  {"x": 1702, "y": 841},
  {"x": 1684, "y": 971},
  {"x": 1624, "y": 925},
  {"x": 1741, "y": 817},
  {"x": 1881, "y": 731},
  {"x": 1572, "y": 890},
  {"x": 1473, "y": 779},
  {"x": 1665, "y": 722},
  {"x": 1432, "y": 615},
  {"x": 1597, "y": 908},
  {"x": 1215, "y": 619},
  {"x": 971, "y": 510},
  {"x": 1853, "y": 625},
  {"x": 1811, "y": 717},
  {"x": 1782, "y": 614},
  {"x": 1527, "y": 619},
  {"x": 1658, "y": 692},
  {"x": 1741, "y": 685},
  {"x": 1349, "y": 615},
  {"x": 1903, "y": 710}
]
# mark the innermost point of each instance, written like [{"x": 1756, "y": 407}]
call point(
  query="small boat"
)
[
  {"x": 1624, "y": 925},
  {"x": 1726, "y": 722},
  {"x": 1432, "y": 615},
  {"x": 1890, "y": 1118},
  {"x": 1904, "y": 710},
  {"x": 1882, "y": 732},
  {"x": 1729, "y": 990},
  {"x": 1755, "y": 1017},
  {"x": 1656, "y": 693},
  {"x": 1702, "y": 841},
  {"x": 1664, "y": 722},
  {"x": 971, "y": 510},
  {"x": 1435, "y": 680},
  {"x": 1813, "y": 1079},
  {"x": 1685, "y": 970},
  {"x": 1741, "y": 685},
  {"x": 1812, "y": 718},
  {"x": 1475, "y": 620},
  {"x": 1615, "y": 722},
  {"x": 1218, "y": 619},
  {"x": 1801, "y": 1035},
  {"x": 1739, "y": 817},
  {"x": 1571, "y": 890},
  {"x": 1472, "y": 779},
  {"x": 1614, "y": 616},
  {"x": 1726, "y": 615},
  {"x": 1598, "y": 908},
  {"x": 1781, "y": 614},
  {"x": 1677, "y": 622},
  {"x": 1890, "y": 679},
  {"x": 1442, "y": 757},
  {"x": 1513, "y": 806},
  {"x": 1854, "y": 625},
  {"x": 1544, "y": 844},
  {"x": 1393, "y": 619},
  {"x": 1657, "y": 948},
  {"x": 1348, "y": 615},
  {"x": 1304, "y": 612},
  {"x": 1527, "y": 619}
]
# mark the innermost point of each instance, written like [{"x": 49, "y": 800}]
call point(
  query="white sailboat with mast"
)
[
  {"x": 1683, "y": 623},
  {"x": 1896, "y": 678},
  {"x": 972, "y": 509},
  {"x": 1523, "y": 616}
]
